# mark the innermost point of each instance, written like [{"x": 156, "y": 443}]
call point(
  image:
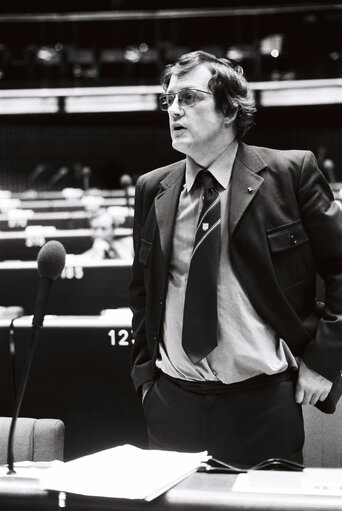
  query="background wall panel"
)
[{"x": 113, "y": 144}]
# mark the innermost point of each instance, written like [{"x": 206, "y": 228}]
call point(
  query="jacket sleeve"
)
[
  {"x": 322, "y": 217},
  {"x": 141, "y": 358}
]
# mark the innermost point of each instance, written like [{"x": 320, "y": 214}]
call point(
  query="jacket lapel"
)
[
  {"x": 166, "y": 203},
  {"x": 244, "y": 186},
  {"x": 245, "y": 182}
]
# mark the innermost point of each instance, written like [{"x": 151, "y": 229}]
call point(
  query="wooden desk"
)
[
  {"x": 25, "y": 245},
  {"x": 80, "y": 374},
  {"x": 25, "y": 495},
  {"x": 86, "y": 287},
  {"x": 68, "y": 193},
  {"x": 59, "y": 219},
  {"x": 63, "y": 204},
  {"x": 200, "y": 492},
  {"x": 210, "y": 492}
]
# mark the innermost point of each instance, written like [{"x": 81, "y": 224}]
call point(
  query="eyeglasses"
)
[{"x": 186, "y": 97}]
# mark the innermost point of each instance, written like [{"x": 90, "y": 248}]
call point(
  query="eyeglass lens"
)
[{"x": 186, "y": 97}]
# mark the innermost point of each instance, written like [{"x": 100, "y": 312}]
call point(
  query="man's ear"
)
[{"x": 229, "y": 119}]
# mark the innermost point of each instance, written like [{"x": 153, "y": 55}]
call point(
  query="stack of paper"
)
[{"x": 124, "y": 472}]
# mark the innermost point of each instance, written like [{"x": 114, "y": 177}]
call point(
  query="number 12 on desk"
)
[{"x": 121, "y": 337}]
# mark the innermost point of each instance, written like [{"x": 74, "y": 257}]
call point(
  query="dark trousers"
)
[{"x": 242, "y": 425}]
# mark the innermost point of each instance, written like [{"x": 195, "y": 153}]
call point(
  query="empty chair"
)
[{"x": 34, "y": 439}]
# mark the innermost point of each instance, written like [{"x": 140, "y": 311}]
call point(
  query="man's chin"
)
[{"x": 179, "y": 146}]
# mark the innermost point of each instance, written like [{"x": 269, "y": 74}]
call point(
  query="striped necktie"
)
[{"x": 199, "y": 336}]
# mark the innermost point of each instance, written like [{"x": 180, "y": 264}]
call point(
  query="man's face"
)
[
  {"x": 103, "y": 228},
  {"x": 199, "y": 128}
]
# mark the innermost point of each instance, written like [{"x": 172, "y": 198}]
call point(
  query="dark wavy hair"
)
[{"x": 228, "y": 85}]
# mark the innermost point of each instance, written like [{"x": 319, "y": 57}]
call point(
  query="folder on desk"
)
[{"x": 123, "y": 472}]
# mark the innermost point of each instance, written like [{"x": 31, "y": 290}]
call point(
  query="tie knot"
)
[{"x": 207, "y": 179}]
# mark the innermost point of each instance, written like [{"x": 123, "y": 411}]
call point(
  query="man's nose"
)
[{"x": 176, "y": 110}]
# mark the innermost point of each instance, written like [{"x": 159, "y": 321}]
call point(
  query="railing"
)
[{"x": 145, "y": 98}]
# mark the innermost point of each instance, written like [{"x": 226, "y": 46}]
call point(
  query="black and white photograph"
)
[{"x": 171, "y": 255}]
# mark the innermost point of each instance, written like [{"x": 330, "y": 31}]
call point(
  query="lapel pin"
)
[
  {"x": 205, "y": 226},
  {"x": 249, "y": 189}
]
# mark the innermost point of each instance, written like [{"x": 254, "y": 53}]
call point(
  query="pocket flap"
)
[
  {"x": 144, "y": 251},
  {"x": 287, "y": 236}
]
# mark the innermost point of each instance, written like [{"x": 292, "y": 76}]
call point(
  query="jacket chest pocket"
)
[
  {"x": 291, "y": 253},
  {"x": 144, "y": 251}
]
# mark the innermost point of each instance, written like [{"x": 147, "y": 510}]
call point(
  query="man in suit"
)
[{"x": 232, "y": 380}]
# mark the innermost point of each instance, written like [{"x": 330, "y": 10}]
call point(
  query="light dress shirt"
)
[{"x": 246, "y": 345}]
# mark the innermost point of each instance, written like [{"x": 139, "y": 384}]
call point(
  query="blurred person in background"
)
[
  {"x": 229, "y": 339},
  {"x": 106, "y": 243}
]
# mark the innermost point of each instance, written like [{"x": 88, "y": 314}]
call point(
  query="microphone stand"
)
[
  {"x": 21, "y": 391},
  {"x": 12, "y": 358},
  {"x": 86, "y": 171},
  {"x": 51, "y": 260}
]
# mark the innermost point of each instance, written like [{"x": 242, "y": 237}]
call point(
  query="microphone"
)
[
  {"x": 125, "y": 183},
  {"x": 38, "y": 170},
  {"x": 86, "y": 173},
  {"x": 63, "y": 171},
  {"x": 50, "y": 262}
]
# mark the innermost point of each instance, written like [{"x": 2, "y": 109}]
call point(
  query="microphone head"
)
[
  {"x": 51, "y": 259},
  {"x": 125, "y": 181},
  {"x": 86, "y": 171},
  {"x": 62, "y": 172}
]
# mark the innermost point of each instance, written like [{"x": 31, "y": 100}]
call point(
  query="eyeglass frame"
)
[{"x": 174, "y": 94}]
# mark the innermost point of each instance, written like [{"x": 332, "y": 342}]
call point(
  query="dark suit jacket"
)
[{"x": 284, "y": 226}]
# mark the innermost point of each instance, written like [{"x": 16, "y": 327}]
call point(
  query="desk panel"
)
[
  {"x": 198, "y": 492},
  {"x": 68, "y": 193},
  {"x": 80, "y": 374},
  {"x": 64, "y": 204},
  {"x": 25, "y": 495},
  {"x": 210, "y": 492},
  {"x": 25, "y": 245},
  {"x": 84, "y": 288},
  {"x": 61, "y": 220}
]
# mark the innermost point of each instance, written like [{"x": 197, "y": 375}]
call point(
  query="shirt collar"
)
[{"x": 221, "y": 168}]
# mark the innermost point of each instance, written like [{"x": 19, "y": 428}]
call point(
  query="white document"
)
[
  {"x": 123, "y": 472},
  {"x": 312, "y": 481}
]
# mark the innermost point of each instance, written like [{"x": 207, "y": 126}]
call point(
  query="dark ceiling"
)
[{"x": 63, "y": 6}]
